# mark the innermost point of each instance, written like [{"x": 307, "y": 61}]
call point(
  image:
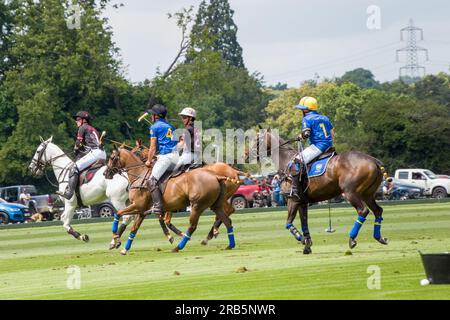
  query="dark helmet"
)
[
  {"x": 159, "y": 110},
  {"x": 83, "y": 115}
]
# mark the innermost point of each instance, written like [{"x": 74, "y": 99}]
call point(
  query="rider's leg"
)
[
  {"x": 72, "y": 184},
  {"x": 163, "y": 163},
  {"x": 305, "y": 157}
]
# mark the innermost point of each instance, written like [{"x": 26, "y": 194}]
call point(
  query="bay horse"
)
[
  {"x": 231, "y": 186},
  {"x": 200, "y": 188},
  {"x": 98, "y": 190},
  {"x": 354, "y": 174}
]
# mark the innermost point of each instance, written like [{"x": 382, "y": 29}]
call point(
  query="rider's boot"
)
[
  {"x": 156, "y": 197},
  {"x": 71, "y": 186}
]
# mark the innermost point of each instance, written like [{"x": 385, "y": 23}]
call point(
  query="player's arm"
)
[
  {"x": 80, "y": 139},
  {"x": 153, "y": 147}
]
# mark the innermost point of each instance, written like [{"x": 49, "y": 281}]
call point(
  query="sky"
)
[{"x": 290, "y": 41}]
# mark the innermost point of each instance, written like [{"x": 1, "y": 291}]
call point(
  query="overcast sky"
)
[{"x": 289, "y": 41}]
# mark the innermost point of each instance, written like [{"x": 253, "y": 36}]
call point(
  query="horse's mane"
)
[{"x": 133, "y": 156}]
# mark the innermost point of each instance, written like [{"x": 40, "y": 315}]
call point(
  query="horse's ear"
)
[
  {"x": 268, "y": 129},
  {"x": 42, "y": 139},
  {"x": 122, "y": 145},
  {"x": 138, "y": 143},
  {"x": 259, "y": 127},
  {"x": 114, "y": 147},
  {"x": 51, "y": 139}
]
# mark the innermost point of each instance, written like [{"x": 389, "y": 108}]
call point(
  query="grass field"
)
[{"x": 266, "y": 264}]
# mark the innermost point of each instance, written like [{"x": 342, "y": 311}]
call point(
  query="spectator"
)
[
  {"x": 388, "y": 186},
  {"x": 24, "y": 198},
  {"x": 276, "y": 194}
]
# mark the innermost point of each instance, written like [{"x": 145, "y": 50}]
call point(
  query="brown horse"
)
[
  {"x": 201, "y": 189},
  {"x": 231, "y": 186},
  {"x": 352, "y": 173}
]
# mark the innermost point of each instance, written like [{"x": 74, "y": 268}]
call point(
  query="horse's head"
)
[
  {"x": 114, "y": 164},
  {"x": 140, "y": 151},
  {"x": 41, "y": 158},
  {"x": 260, "y": 146}
]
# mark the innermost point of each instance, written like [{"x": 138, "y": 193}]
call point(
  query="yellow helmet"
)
[{"x": 307, "y": 103}]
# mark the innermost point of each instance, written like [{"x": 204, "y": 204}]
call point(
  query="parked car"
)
[
  {"x": 13, "y": 212},
  {"x": 101, "y": 210},
  {"x": 49, "y": 205},
  {"x": 403, "y": 192},
  {"x": 244, "y": 195},
  {"x": 425, "y": 179}
]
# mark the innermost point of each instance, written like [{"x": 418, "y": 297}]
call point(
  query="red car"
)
[{"x": 244, "y": 197}]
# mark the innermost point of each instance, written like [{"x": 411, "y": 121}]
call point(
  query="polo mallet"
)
[
  {"x": 144, "y": 117},
  {"x": 329, "y": 229},
  {"x": 102, "y": 136}
]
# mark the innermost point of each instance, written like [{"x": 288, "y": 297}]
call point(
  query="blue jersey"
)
[
  {"x": 320, "y": 127},
  {"x": 163, "y": 132}
]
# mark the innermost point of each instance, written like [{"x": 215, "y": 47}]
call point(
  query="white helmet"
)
[{"x": 189, "y": 112}]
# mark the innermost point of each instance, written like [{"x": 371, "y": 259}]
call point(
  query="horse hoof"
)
[
  {"x": 204, "y": 242},
  {"x": 382, "y": 240},
  {"x": 307, "y": 250},
  {"x": 307, "y": 242},
  {"x": 123, "y": 252},
  {"x": 352, "y": 243},
  {"x": 175, "y": 249},
  {"x": 171, "y": 240},
  {"x": 229, "y": 248},
  {"x": 85, "y": 238}
]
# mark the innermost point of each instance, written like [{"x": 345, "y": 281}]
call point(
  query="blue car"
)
[{"x": 13, "y": 212}]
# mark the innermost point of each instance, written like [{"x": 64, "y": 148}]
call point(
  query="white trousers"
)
[
  {"x": 309, "y": 154},
  {"x": 90, "y": 158},
  {"x": 163, "y": 163},
  {"x": 187, "y": 158}
]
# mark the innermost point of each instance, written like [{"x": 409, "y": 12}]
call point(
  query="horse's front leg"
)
[
  {"x": 66, "y": 218},
  {"x": 133, "y": 232},
  {"x": 293, "y": 207},
  {"x": 304, "y": 220}
]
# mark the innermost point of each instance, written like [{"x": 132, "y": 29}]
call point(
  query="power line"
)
[{"x": 334, "y": 62}]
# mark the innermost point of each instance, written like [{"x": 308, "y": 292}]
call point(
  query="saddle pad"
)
[{"x": 318, "y": 167}]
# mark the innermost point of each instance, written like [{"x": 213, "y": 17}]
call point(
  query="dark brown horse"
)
[
  {"x": 231, "y": 186},
  {"x": 200, "y": 188},
  {"x": 354, "y": 174}
]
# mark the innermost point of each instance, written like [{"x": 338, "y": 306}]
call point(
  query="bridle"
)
[
  {"x": 42, "y": 162},
  {"x": 114, "y": 167}
]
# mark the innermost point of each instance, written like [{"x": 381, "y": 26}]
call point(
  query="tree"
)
[
  {"x": 58, "y": 71},
  {"x": 363, "y": 78},
  {"x": 214, "y": 29}
]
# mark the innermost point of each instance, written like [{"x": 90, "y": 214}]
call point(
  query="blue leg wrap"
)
[
  {"x": 294, "y": 231},
  {"x": 232, "y": 244},
  {"x": 130, "y": 241},
  {"x": 183, "y": 241},
  {"x": 115, "y": 224},
  {"x": 358, "y": 224},
  {"x": 377, "y": 228}
]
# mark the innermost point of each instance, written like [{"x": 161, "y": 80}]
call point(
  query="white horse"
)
[{"x": 98, "y": 190}]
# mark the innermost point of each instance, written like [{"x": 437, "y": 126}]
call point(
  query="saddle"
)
[
  {"x": 87, "y": 174},
  {"x": 172, "y": 174}
]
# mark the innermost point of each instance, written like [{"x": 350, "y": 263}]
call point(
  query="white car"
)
[{"x": 426, "y": 179}]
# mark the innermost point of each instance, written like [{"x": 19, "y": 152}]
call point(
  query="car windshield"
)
[{"x": 430, "y": 174}]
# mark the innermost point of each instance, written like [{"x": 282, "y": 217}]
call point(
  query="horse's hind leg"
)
[
  {"x": 214, "y": 232},
  {"x": 222, "y": 216},
  {"x": 133, "y": 231},
  {"x": 305, "y": 229},
  {"x": 356, "y": 201},
  {"x": 193, "y": 222},
  {"x": 378, "y": 212}
]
